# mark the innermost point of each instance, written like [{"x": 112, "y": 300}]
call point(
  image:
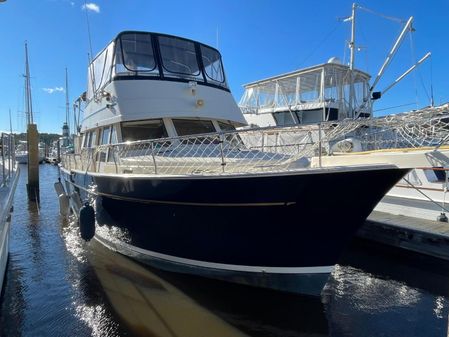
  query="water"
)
[{"x": 57, "y": 285}]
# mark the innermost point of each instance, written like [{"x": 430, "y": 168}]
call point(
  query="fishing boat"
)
[
  {"x": 334, "y": 93},
  {"x": 160, "y": 173},
  {"x": 9, "y": 174}
]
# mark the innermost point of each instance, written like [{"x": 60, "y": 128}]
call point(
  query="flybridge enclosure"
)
[
  {"x": 143, "y": 55},
  {"x": 310, "y": 95}
]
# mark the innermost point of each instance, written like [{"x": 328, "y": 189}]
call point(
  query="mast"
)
[
  {"x": 65, "y": 127},
  {"x": 32, "y": 138},
  {"x": 352, "y": 62},
  {"x": 28, "y": 98},
  {"x": 67, "y": 106},
  {"x": 352, "y": 43}
]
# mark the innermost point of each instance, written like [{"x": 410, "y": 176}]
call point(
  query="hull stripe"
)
[
  {"x": 168, "y": 202},
  {"x": 221, "y": 266}
]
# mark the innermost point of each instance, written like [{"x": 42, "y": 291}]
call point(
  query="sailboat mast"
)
[
  {"x": 28, "y": 99},
  {"x": 67, "y": 106}
]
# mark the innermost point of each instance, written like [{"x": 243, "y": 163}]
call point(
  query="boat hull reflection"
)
[{"x": 157, "y": 303}]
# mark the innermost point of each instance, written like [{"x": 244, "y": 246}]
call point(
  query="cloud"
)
[
  {"x": 53, "y": 90},
  {"x": 93, "y": 7}
]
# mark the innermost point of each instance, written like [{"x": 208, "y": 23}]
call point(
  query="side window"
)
[
  {"x": 112, "y": 153},
  {"x": 114, "y": 135},
  {"x": 86, "y": 140},
  {"x": 187, "y": 127},
  {"x": 105, "y": 135},
  {"x": 212, "y": 65},
  {"x": 226, "y": 126},
  {"x": 89, "y": 139},
  {"x": 93, "y": 138},
  {"x": 284, "y": 118},
  {"x": 143, "y": 130}
]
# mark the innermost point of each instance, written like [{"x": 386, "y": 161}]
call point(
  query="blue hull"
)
[{"x": 278, "y": 231}]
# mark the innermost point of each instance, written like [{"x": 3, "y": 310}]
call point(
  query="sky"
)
[{"x": 257, "y": 39}]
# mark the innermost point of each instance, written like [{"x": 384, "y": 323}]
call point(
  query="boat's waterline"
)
[{"x": 304, "y": 280}]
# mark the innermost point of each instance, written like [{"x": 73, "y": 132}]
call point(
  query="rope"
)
[
  {"x": 319, "y": 44},
  {"x": 391, "y": 18},
  {"x": 425, "y": 195}
]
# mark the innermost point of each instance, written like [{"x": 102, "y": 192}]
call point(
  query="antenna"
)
[
  {"x": 217, "y": 38},
  {"x": 88, "y": 27},
  {"x": 10, "y": 121}
]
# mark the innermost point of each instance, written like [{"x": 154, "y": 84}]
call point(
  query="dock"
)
[{"x": 414, "y": 234}]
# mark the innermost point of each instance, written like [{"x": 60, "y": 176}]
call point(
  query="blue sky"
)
[{"x": 257, "y": 39}]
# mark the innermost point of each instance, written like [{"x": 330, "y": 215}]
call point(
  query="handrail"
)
[
  {"x": 7, "y": 157},
  {"x": 265, "y": 149}
]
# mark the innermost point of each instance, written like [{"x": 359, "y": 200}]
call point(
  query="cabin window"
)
[
  {"x": 226, "y": 126},
  {"x": 92, "y": 136},
  {"x": 212, "y": 64},
  {"x": 143, "y": 130},
  {"x": 86, "y": 139},
  {"x": 178, "y": 56},
  {"x": 136, "y": 54},
  {"x": 93, "y": 139},
  {"x": 310, "y": 87},
  {"x": 105, "y": 135},
  {"x": 113, "y": 149},
  {"x": 114, "y": 135},
  {"x": 186, "y": 127},
  {"x": 285, "y": 118}
]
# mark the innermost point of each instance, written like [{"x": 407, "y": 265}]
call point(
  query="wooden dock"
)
[{"x": 414, "y": 234}]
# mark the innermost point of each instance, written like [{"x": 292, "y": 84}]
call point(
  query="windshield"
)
[
  {"x": 178, "y": 57},
  {"x": 163, "y": 56},
  {"x": 135, "y": 54}
]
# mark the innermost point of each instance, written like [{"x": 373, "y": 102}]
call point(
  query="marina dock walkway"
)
[{"x": 414, "y": 234}]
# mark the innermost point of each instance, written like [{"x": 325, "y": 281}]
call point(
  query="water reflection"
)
[
  {"x": 59, "y": 285},
  {"x": 42, "y": 293},
  {"x": 374, "y": 292}
]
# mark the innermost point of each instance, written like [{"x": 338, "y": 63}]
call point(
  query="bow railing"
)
[{"x": 264, "y": 149}]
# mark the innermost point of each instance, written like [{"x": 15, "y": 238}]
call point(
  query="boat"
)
[
  {"x": 21, "y": 154},
  {"x": 161, "y": 174},
  {"x": 9, "y": 173},
  {"x": 37, "y": 148},
  {"x": 333, "y": 93},
  {"x": 419, "y": 139}
]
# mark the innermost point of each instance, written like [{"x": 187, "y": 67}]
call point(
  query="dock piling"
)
[{"x": 33, "y": 162}]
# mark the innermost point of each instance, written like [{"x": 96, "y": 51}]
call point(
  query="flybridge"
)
[
  {"x": 326, "y": 92},
  {"x": 142, "y": 55},
  {"x": 308, "y": 95}
]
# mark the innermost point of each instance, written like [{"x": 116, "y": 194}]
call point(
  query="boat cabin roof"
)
[
  {"x": 337, "y": 69},
  {"x": 148, "y": 55}
]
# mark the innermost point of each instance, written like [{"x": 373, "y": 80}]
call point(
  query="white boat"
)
[
  {"x": 9, "y": 174},
  {"x": 21, "y": 154},
  {"x": 161, "y": 174},
  {"x": 333, "y": 93}
]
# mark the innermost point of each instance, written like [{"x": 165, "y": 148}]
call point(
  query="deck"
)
[{"x": 414, "y": 234}]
